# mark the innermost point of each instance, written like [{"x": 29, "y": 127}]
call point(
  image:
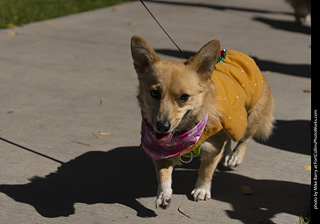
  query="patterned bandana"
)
[{"x": 176, "y": 145}]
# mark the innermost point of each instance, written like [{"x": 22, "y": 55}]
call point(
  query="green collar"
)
[{"x": 196, "y": 152}]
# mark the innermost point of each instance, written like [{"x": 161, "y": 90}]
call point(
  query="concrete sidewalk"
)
[{"x": 63, "y": 81}]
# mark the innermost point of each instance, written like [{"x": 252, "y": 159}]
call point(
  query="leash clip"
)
[{"x": 186, "y": 161}]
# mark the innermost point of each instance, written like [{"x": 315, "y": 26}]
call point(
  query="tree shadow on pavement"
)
[
  {"x": 270, "y": 197},
  {"x": 125, "y": 174},
  {"x": 291, "y": 136},
  {"x": 284, "y": 25},
  {"x": 218, "y": 7},
  {"x": 299, "y": 70},
  {"x": 175, "y": 53}
]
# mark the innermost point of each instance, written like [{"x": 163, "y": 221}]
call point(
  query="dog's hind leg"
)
[
  {"x": 260, "y": 125},
  {"x": 237, "y": 155},
  {"x": 226, "y": 155}
]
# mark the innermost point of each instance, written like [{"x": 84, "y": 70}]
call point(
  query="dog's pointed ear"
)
[
  {"x": 206, "y": 58},
  {"x": 142, "y": 53}
]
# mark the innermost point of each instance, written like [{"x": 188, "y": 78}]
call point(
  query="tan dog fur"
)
[{"x": 175, "y": 79}]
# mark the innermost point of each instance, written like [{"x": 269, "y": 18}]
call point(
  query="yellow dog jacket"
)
[{"x": 238, "y": 85}]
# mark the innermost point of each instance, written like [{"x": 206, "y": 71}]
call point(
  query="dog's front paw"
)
[
  {"x": 201, "y": 194},
  {"x": 163, "y": 200},
  {"x": 164, "y": 195},
  {"x": 202, "y": 191}
]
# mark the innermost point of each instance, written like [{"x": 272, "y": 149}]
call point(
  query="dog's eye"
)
[
  {"x": 184, "y": 98},
  {"x": 155, "y": 94}
]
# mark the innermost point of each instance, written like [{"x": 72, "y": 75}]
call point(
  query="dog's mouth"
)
[
  {"x": 164, "y": 137},
  {"x": 167, "y": 136}
]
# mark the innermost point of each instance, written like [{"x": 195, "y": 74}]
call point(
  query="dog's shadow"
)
[
  {"x": 125, "y": 174},
  {"x": 118, "y": 176}
]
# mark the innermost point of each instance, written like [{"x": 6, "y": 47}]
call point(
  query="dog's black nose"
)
[{"x": 163, "y": 126}]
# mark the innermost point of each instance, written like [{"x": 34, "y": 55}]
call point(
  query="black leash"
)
[
  {"x": 30, "y": 150},
  {"x": 164, "y": 30}
]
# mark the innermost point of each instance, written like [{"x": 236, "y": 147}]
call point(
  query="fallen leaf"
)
[
  {"x": 247, "y": 190},
  {"x": 132, "y": 23},
  {"x": 105, "y": 133},
  {"x": 179, "y": 209},
  {"x": 12, "y": 33},
  {"x": 10, "y": 25},
  {"x": 307, "y": 168},
  {"x": 81, "y": 143},
  {"x": 101, "y": 100},
  {"x": 38, "y": 42},
  {"x": 307, "y": 90}
]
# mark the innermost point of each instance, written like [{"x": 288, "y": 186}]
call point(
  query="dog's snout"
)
[{"x": 163, "y": 126}]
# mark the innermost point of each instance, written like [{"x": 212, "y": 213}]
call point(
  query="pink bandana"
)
[{"x": 177, "y": 144}]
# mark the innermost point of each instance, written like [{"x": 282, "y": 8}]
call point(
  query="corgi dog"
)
[{"x": 206, "y": 102}]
